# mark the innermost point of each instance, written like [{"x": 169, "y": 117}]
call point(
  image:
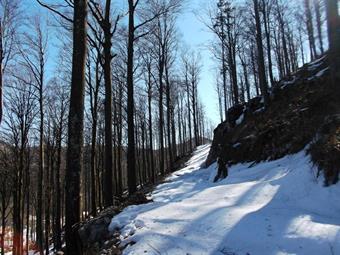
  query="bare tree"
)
[
  {"x": 333, "y": 25},
  {"x": 34, "y": 59},
  {"x": 136, "y": 32},
  {"x": 6, "y": 186},
  {"x": 10, "y": 16},
  {"x": 262, "y": 71},
  {"x": 109, "y": 29},
  {"x": 317, "y": 9},
  {"x": 310, "y": 30},
  {"x": 75, "y": 127},
  {"x": 18, "y": 124}
]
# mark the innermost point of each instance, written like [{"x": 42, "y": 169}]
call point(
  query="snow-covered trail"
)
[{"x": 275, "y": 207}]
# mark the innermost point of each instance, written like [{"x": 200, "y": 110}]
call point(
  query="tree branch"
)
[{"x": 55, "y": 11}]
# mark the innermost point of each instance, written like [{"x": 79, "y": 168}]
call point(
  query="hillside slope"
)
[
  {"x": 304, "y": 109},
  {"x": 276, "y": 207}
]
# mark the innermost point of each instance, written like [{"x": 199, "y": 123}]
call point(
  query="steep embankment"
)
[
  {"x": 276, "y": 207},
  {"x": 303, "y": 110}
]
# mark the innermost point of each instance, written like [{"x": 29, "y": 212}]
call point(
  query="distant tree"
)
[
  {"x": 194, "y": 73},
  {"x": 319, "y": 23},
  {"x": 18, "y": 125},
  {"x": 6, "y": 189},
  {"x": 10, "y": 21},
  {"x": 310, "y": 29},
  {"x": 109, "y": 28},
  {"x": 186, "y": 80},
  {"x": 262, "y": 70},
  {"x": 57, "y": 110},
  {"x": 266, "y": 9},
  {"x": 136, "y": 31},
  {"x": 34, "y": 60},
  {"x": 149, "y": 80},
  {"x": 94, "y": 84}
]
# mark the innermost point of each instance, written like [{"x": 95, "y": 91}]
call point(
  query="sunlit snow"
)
[{"x": 276, "y": 207}]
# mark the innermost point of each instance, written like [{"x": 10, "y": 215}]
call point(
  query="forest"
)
[{"x": 100, "y": 100}]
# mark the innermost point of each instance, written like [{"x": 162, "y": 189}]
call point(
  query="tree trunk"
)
[
  {"x": 267, "y": 33},
  {"x": 224, "y": 79},
  {"x": 262, "y": 72},
  {"x": 3, "y": 222},
  {"x": 47, "y": 197},
  {"x": 131, "y": 158},
  {"x": 317, "y": 9},
  {"x": 119, "y": 154},
  {"x": 189, "y": 110},
  {"x": 310, "y": 31},
  {"x": 161, "y": 118},
  {"x": 94, "y": 111},
  {"x": 1, "y": 71},
  {"x": 153, "y": 176},
  {"x": 168, "y": 118},
  {"x": 74, "y": 157},
  {"x": 173, "y": 132},
  {"x": 39, "y": 230},
  {"x": 58, "y": 189},
  {"x": 108, "y": 183},
  {"x": 333, "y": 24}
]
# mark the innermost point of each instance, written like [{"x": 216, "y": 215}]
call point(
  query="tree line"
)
[
  {"x": 259, "y": 42},
  {"x": 100, "y": 100}
]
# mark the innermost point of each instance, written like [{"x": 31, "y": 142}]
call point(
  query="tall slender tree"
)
[
  {"x": 262, "y": 70},
  {"x": 109, "y": 29},
  {"x": 310, "y": 29},
  {"x": 74, "y": 159},
  {"x": 333, "y": 25}
]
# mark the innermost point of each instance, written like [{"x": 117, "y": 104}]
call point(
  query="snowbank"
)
[{"x": 276, "y": 207}]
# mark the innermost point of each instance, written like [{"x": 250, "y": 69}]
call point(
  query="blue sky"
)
[
  {"x": 194, "y": 34},
  {"x": 197, "y": 36}
]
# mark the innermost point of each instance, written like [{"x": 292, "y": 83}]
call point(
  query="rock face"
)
[
  {"x": 94, "y": 235},
  {"x": 227, "y": 133},
  {"x": 325, "y": 150},
  {"x": 298, "y": 108}
]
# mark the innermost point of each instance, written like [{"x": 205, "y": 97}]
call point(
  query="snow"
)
[
  {"x": 319, "y": 74},
  {"x": 259, "y": 110},
  {"x": 287, "y": 83},
  {"x": 236, "y": 145},
  {"x": 240, "y": 119},
  {"x": 316, "y": 62},
  {"x": 276, "y": 207}
]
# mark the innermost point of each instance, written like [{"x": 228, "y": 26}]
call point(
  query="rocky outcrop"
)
[
  {"x": 94, "y": 235},
  {"x": 325, "y": 149},
  {"x": 295, "y": 115}
]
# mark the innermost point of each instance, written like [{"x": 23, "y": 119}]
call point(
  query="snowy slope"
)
[{"x": 274, "y": 207}]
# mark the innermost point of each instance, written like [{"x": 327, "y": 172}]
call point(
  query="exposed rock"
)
[
  {"x": 325, "y": 150},
  {"x": 94, "y": 235},
  {"x": 296, "y": 113}
]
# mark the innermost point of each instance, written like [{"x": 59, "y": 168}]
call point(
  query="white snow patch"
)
[
  {"x": 240, "y": 119},
  {"x": 319, "y": 74},
  {"x": 287, "y": 83},
  {"x": 275, "y": 207},
  {"x": 259, "y": 110},
  {"x": 317, "y": 61},
  {"x": 236, "y": 145}
]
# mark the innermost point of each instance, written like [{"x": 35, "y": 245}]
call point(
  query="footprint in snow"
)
[{"x": 269, "y": 228}]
